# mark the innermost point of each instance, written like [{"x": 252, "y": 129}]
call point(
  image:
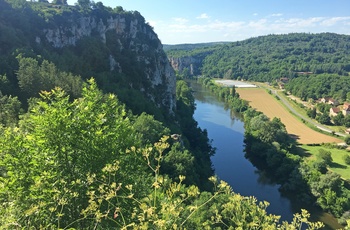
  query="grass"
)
[{"x": 338, "y": 164}]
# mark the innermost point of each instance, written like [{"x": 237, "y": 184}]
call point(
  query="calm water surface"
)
[{"x": 226, "y": 131}]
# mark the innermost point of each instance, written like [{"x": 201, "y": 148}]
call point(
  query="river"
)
[{"x": 226, "y": 130}]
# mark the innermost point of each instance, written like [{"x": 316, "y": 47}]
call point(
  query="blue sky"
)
[{"x": 195, "y": 21}]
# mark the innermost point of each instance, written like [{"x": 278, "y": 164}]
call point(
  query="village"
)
[{"x": 336, "y": 109}]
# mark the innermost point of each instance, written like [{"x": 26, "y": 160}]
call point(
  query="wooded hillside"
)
[{"x": 271, "y": 57}]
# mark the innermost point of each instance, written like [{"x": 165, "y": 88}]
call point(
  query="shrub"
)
[
  {"x": 347, "y": 140},
  {"x": 325, "y": 155},
  {"x": 346, "y": 159}
]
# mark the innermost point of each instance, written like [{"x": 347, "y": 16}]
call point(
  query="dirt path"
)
[{"x": 259, "y": 99}]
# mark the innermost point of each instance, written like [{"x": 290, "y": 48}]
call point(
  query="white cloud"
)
[
  {"x": 276, "y": 15},
  {"x": 203, "y": 16},
  {"x": 180, "y": 20},
  {"x": 181, "y": 30},
  {"x": 335, "y": 20}
]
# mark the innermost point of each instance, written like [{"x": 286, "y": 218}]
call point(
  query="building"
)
[
  {"x": 332, "y": 101},
  {"x": 334, "y": 111},
  {"x": 346, "y": 108}
]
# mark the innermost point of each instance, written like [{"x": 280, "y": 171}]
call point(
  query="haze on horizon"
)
[{"x": 178, "y": 22}]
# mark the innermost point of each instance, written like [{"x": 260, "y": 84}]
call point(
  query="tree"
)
[
  {"x": 34, "y": 77},
  {"x": 312, "y": 113},
  {"x": 60, "y": 2},
  {"x": 10, "y": 108},
  {"x": 325, "y": 155},
  {"x": 324, "y": 119},
  {"x": 346, "y": 158},
  {"x": 84, "y": 4},
  {"x": 347, "y": 140},
  {"x": 338, "y": 119},
  {"x": 184, "y": 93},
  {"x": 149, "y": 129},
  {"x": 60, "y": 142},
  {"x": 347, "y": 121}
]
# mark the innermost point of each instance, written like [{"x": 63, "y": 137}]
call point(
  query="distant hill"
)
[
  {"x": 191, "y": 46},
  {"x": 266, "y": 58}
]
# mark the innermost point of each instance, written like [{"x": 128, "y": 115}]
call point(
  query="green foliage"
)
[
  {"x": 117, "y": 66},
  {"x": 313, "y": 183},
  {"x": 267, "y": 58},
  {"x": 229, "y": 95},
  {"x": 10, "y": 109},
  {"x": 114, "y": 203},
  {"x": 82, "y": 165},
  {"x": 60, "y": 142},
  {"x": 184, "y": 94},
  {"x": 318, "y": 86},
  {"x": 346, "y": 159},
  {"x": 312, "y": 113},
  {"x": 149, "y": 129},
  {"x": 325, "y": 156},
  {"x": 192, "y": 137},
  {"x": 59, "y": 2},
  {"x": 324, "y": 119},
  {"x": 33, "y": 78},
  {"x": 330, "y": 196},
  {"x": 338, "y": 119},
  {"x": 347, "y": 140},
  {"x": 179, "y": 161}
]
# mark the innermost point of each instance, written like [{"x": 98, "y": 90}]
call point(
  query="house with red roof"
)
[{"x": 334, "y": 111}]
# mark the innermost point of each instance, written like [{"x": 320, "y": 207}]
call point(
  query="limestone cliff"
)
[
  {"x": 127, "y": 33},
  {"x": 193, "y": 62}
]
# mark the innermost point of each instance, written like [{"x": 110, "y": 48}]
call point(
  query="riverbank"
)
[{"x": 266, "y": 143}]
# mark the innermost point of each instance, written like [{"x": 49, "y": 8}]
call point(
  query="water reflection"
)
[
  {"x": 226, "y": 129},
  {"x": 227, "y": 132}
]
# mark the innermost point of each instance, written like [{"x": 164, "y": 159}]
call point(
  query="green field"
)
[{"x": 338, "y": 164}]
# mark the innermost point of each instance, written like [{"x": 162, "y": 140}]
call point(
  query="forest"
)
[
  {"x": 267, "y": 58},
  {"x": 83, "y": 147}
]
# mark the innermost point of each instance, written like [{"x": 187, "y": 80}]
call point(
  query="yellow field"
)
[{"x": 262, "y": 101}]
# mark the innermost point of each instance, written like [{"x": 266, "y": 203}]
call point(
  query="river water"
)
[{"x": 226, "y": 130}]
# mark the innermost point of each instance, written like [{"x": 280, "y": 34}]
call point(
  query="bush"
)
[
  {"x": 346, "y": 159},
  {"x": 347, "y": 140},
  {"x": 325, "y": 155}
]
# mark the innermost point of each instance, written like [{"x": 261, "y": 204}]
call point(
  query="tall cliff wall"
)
[
  {"x": 193, "y": 61},
  {"x": 129, "y": 34},
  {"x": 193, "y": 64}
]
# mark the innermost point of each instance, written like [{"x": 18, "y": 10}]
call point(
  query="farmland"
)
[{"x": 259, "y": 99}]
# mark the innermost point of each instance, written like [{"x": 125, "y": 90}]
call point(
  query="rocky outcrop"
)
[
  {"x": 191, "y": 63},
  {"x": 131, "y": 33}
]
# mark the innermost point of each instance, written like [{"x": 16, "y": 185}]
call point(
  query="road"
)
[{"x": 307, "y": 119}]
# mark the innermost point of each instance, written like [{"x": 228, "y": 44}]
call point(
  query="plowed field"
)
[{"x": 262, "y": 101}]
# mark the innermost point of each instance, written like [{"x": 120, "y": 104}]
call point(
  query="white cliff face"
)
[
  {"x": 148, "y": 50},
  {"x": 191, "y": 63}
]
